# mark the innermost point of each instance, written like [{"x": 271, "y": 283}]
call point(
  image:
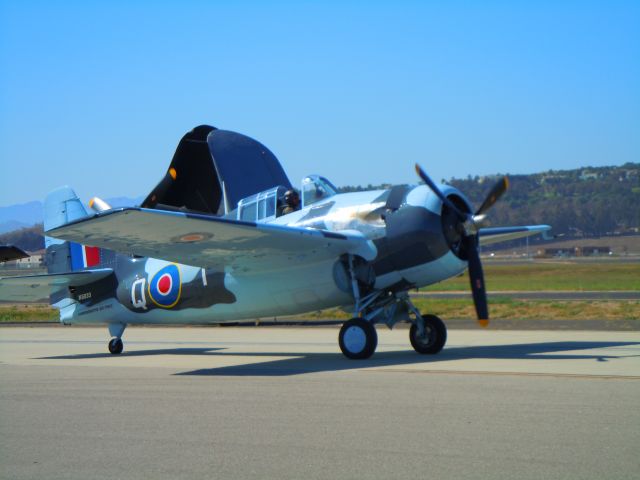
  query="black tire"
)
[
  {"x": 116, "y": 346},
  {"x": 358, "y": 339},
  {"x": 435, "y": 336}
]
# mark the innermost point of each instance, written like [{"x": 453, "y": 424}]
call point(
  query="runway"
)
[{"x": 283, "y": 403}]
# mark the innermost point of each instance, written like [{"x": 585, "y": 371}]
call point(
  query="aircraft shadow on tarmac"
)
[{"x": 300, "y": 363}]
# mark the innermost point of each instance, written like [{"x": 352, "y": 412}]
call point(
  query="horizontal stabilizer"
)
[
  {"x": 502, "y": 234},
  {"x": 9, "y": 252},
  {"x": 30, "y": 288},
  {"x": 212, "y": 242}
]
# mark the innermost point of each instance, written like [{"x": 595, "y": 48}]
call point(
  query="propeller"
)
[{"x": 466, "y": 230}]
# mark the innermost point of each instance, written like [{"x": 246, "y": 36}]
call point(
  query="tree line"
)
[{"x": 583, "y": 202}]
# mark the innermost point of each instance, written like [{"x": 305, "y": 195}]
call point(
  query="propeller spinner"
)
[{"x": 467, "y": 226}]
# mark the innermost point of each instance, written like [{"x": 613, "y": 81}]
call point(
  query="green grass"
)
[
  {"x": 552, "y": 276},
  {"x": 28, "y": 313},
  {"x": 508, "y": 308}
]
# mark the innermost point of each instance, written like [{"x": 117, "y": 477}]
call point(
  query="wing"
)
[
  {"x": 9, "y": 252},
  {"x": 211, "y": 242},
  {"x": 501, "y": 234},
  {"x": 30, "y": 288}
]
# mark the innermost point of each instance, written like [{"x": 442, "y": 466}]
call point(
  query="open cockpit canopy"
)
[{"x": 212, "y": 170}]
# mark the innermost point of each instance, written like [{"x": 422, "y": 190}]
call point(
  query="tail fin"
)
[{"x": 61, "y": 207}]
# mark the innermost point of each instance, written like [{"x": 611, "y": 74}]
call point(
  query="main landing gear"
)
[
  {"x": 432, "y": 338},
  {"x": 358, "y": 338},
  {"x": 115, "y": 344}
]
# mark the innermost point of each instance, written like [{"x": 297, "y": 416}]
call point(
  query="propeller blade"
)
[
  {"x": 425, "y": 178},
  {"x": 476, "y": 277},
  {"x": 496, "y": 192}
]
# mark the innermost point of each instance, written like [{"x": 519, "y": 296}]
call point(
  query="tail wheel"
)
[
  {"x": 358, "y": 339},
  {"x": 434, "y": 338},
  {"x": 116, "y": 346}
]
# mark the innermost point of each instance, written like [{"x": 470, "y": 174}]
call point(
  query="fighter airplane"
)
[{"x": 211, "y": 244}]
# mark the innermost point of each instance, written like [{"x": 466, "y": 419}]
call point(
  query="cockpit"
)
[
  {"x": 316, "y": 188},
  {"x": 270, "y": 204},
  {"x": 262, "y": 206}
]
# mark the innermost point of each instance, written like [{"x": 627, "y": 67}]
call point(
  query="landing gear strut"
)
[
  {"x": 358, "y": 338},
  {"x": 115, "y": 344}
]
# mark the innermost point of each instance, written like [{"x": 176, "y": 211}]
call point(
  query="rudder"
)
[{"x": 63, "y": 206}]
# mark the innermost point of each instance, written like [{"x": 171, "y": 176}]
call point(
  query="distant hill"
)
[
  {"x": 582, "y": 202},
  {"x": 12, "y": 225},
  {"x": 29, "y": 239},
  {"x": 22, "y": 215}
]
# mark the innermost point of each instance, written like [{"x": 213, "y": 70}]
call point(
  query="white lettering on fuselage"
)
[{"x": 138, "y": 298}]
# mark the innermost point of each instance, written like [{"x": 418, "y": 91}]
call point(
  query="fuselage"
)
[{"x": 412, "y": 252}]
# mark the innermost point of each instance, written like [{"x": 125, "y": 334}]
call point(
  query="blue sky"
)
[{"x": 97, "y": 95}]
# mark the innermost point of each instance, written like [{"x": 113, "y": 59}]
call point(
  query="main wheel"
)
[
  {"x": 358, "y": 339},
  {"x": 116, "y": 346},
  {"x": 434, "y": 338}
]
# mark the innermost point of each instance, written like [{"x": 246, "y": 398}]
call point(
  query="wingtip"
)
[{"x": 484, "y": 323}]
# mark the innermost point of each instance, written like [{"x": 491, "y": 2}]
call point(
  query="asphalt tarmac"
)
[{"x": 283, "y": 403}]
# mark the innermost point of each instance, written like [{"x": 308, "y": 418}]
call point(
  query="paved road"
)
[{"x": 283, "y": 403}]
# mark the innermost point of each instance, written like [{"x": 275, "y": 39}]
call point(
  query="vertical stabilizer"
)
[{"x": 61, "y": 207}]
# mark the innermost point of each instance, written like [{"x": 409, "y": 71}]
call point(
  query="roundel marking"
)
[
  {"x": 192, "y": 237},
  {"x": 164, "y": 284},
  {"x": 165, "y": 287}
]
